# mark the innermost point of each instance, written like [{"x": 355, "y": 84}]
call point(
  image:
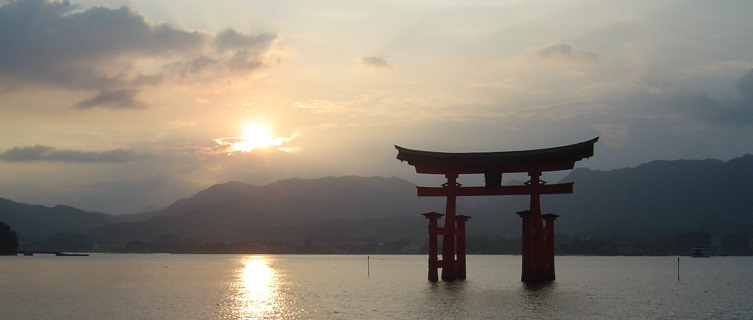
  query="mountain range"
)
[{"x": 656, "y": 198}]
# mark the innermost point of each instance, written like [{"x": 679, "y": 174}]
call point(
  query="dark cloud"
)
[
  {"x": 738, "y": 110},
  {"x": 745, "y": 87},
  {"x": 231, "y": 39},
  {"x": 247, "y": 50},
  {"x": 374, "y": 62},
  {"x": 244, "y": 60},
  {"x": 55, "y": 43},
  {"x": 563, "y": 51},
  {"x": 113, "y": 99},
  {"x": 42, "y": 40},
  {"x": 148, "y": 80},
  {"x": 193, "y": 66},
  {"x": 52, "y": 154}
]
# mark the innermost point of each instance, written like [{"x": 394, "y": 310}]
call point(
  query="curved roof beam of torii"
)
[{"x": 537, "y": 160}]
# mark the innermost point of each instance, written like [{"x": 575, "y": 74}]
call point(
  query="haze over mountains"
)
[{"x": 660, "y": 197}]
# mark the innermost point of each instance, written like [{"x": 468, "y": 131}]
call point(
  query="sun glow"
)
[{"x": 255, "y": 137}]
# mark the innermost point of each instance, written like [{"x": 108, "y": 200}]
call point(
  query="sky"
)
[{"x": 122, "y": 106}]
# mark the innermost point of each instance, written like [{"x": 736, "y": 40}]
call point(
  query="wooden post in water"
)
[
  {"x": 449, "y": 271},
  {"x": 549, "y": 251},
  {"x": 536, "y": 237},
  {"x": 528, "y": 247},
  {"x": 460, "y": 220},
  {"x": 433, "y": 246}
]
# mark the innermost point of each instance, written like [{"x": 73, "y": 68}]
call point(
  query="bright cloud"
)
[{"x": 255, "y": 137}]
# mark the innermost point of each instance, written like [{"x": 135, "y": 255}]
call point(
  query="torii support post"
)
[
  {"x": 533, "y": 247},
  {"x": 449, "y": 266},
  {"x": 549, "y": 266},
  {"x": 433, "y": 232},
  {"x": 534, "y": 240},
  {"x": 460, "y": 222},
  {"x": 456, "y": 265}
]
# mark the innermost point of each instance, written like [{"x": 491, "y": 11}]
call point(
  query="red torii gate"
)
[{"x": 538, "y": 229}]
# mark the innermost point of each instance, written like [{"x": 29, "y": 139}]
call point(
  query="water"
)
[{"x": 162, "y": 286}]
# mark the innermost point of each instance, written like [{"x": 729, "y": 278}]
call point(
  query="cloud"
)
[
  {"x": 116, "y": 99},
  {"x": 231, "y": 39},
  {"x": 745, "y": 87},
  {"x": 193, "y": 66},
  {"x": 738, "y": 110},
  {"x": 242, "y": 61},
  {"x": 54, "y": 43},
  {"x": 374, "y": 62},
  {"x": 48, "y": 42},
  {"x": 52, "y": 154},
  {"x": 560, "y": 51}
]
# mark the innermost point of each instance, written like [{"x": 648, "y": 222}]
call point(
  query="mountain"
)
[
  {"x": 655, "y": 200},
  {"x": 659, "y": 197},
  {"x": 666, "y": 196},
  {"x": 311, "y": 200},
  {"x": 34, "y": 221},
  {"x": 286, "y": 210}
]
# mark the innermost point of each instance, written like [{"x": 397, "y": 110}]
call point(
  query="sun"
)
[{"x": 255, "y": 137}]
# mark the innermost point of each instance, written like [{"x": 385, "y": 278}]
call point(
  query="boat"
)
[
  {"x": 699, "y": 252},
  {"x": 69, "y": 254}
]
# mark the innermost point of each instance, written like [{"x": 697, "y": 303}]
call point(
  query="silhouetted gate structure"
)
[{"x": 538, "y": 229}]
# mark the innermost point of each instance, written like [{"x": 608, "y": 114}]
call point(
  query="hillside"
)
[
  {"x": 669, "y": 197},
  {"x": 286, "y": 210},
  {"x": 656, "y": 199},
  {"x": 34, "y": 221}
]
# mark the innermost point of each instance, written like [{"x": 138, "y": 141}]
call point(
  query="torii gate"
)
[{"x": 538, "y": 237}]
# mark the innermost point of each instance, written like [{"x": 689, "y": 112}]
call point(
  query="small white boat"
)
[{"x": 699, "y": 252}]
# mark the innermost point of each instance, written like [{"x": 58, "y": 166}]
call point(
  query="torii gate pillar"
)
[
  {"x": 449, "y": 264},
  {"x": 538, "y": 246},
  {"x": 537, "y": 237},
  {"x": 549, "y": 233}
]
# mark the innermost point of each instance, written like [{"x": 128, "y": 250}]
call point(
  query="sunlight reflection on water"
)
[{"x": 257, "y": 290}]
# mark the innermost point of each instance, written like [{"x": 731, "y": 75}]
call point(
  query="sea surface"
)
[{"x": 165, "y": 286}]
